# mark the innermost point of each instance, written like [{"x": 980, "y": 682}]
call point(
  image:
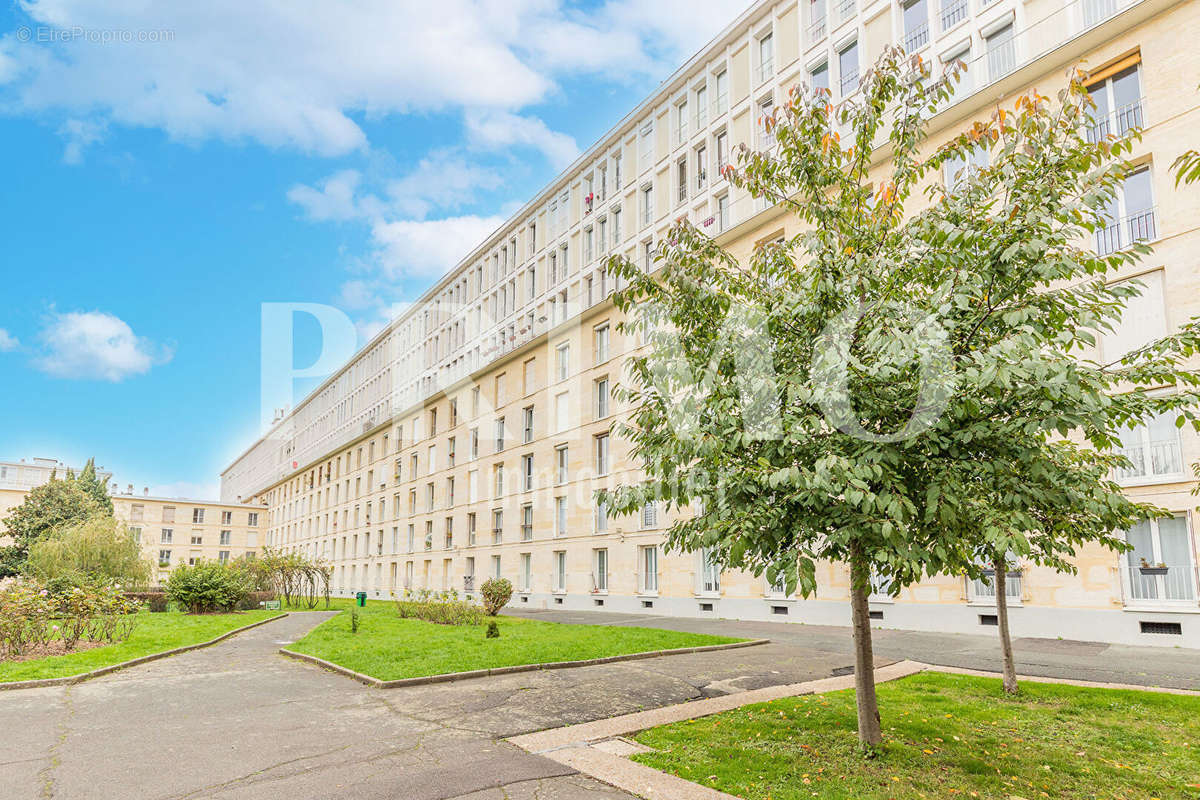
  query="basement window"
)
[
  {"x": 647, "y": 604},
  {"x": 988, "y": 619},
  {"x": 875, "y": 614},
  {"x": 1170, "y": 628},
  {"x": 598, "y": 602},
  {"x": 781, "y": 610},
  {"x": 706, "y": 606}
]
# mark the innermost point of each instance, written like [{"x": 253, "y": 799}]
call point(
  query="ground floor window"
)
[
  {"x": 710, "y": 572},
  {"x": 600, "y": 570},
  {"x": 1161, "y": 567},
  {"x": 648, "y": 564}
]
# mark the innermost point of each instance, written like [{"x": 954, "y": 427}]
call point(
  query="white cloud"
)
[
  {"x": 442, "y": 180},
  {"x": 498, "y": 130},
  {"x": 185, "y": 490},
  {"x": 335, "y": 199},
  {"x": 428, "y": 248},
  {"x": 302, "y": 74},
  {"x": 83, "y": 345},
  {"x": 79, "y": 134},
  {"x": 7, "y": 341}
]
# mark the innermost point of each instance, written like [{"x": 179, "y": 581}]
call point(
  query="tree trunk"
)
[
  {"x": 1010, "y": 667},
  {"x": 870, "y": 734}
]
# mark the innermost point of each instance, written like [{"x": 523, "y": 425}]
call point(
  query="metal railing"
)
[
  {"x": 468, "y": 583},
  {"x": 1117, "y": 122},
  {"x": 917, "y": 38},
  {"x": 848, "y": 82},
  {"x": 953, "y": 12},
  {"x": 846, "y": 9},
  {"x": 1165, "y": 458},
  {"x": 816, "y": 31},
  {"x": 1139, "y": 226},
  {"x": 986, "y": 588},
  {"x": 1096, "y": 11},
  {"x": 1001, "y": 58},
  {"x": 764, "y": 70},
  {"x": 1172, "y": 583}
]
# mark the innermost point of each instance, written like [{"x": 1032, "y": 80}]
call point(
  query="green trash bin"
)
[{"x": 361, "y": 597}]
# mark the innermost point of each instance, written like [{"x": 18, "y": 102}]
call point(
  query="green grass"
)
[
  {"x": 153, "y": 633},
  {"x": 946, "y": 736},
  {"x": 389, "y": 648}
]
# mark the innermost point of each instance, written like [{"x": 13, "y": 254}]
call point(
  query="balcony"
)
[
  {"x": 1158, "y": 584},
  {"x": 1139, "y": 226},
  {"x": 764, "y": 71},
  {"x": 817, "y": 31},
  {"x": 917, "y": 38},
  {"x": 953, "y": 12},
  {"x": 1117, "y": 122},
  {"x": 849, "y": 82},
  {"x": 1001, "y": 58},
  {"x": 1096, "y": 11},
  {"x": 846, "y": 9},
  {"x": 1155, "y": 459},
  {"x": 468, "y": 583}
]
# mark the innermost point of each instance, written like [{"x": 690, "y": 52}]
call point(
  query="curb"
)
[
  {"x": 96, "y": 673},
  {"x": 1135, "y": 687},
  {"x": 449, "y": 677}
]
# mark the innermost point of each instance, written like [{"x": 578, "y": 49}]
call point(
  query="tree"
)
[
  {"x": 55, "y": 504},
  {"x": 90, "y": 482},
  {"x": 99, "y": 549},
  {"x": 861, "y": 392}
]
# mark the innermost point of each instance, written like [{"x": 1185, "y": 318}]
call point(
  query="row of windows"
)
[
  {"x": 167, "y": 536},
  {"x": 137, "y": 513}
]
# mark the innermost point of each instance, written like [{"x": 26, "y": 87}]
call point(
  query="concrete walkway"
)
[{"x": 239, "y": 721}]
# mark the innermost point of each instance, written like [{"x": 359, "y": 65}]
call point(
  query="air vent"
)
[
  {"x": 988, "y": 619},
  {"x": 875, "y": 614},
  {"x": 647, "y": 604},
  {"x": 558, "y": 601},
  {"x": 706, "y": 606},
  {"x": 1169, "y": 628},
  {"x": 781, "y": 610},
  {"x": 598, "y": 602},
  {"x": 524, "y": 599}
]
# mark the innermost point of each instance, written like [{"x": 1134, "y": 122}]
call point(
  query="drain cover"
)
[{"x": 840, "y": 671}]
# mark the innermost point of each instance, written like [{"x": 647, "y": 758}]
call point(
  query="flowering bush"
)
[
  {"x": 26, "y": 611},
  {"x": 496, "y": 594},
  {"x": 208, "y": 586},
  {"x": 441, "y": 608},
  {"x": 31, "y": 615}
]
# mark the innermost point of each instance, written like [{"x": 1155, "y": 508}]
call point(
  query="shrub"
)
[
  {"x": 441, "y": 608},
  {"x": 254, "y": 600},
  {"x": 26, "y": 610},
  {"x": 496, "y": 594},
  {"x": 207, "y": 586},
  {"x": 493, "y": 630},
  {"x": 354, "y": 619},
  {"x": 99, "y": 550},
  {"x": 154, "y": 601},
  {"x": 31, "y": 615}
]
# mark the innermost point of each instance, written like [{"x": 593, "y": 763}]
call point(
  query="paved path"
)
[{"x": 239, "y": 722}]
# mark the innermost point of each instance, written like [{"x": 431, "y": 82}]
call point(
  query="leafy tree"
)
[
  {"x": 892, "y": 387},
  {"x": 55, "y": 504},
  {"x": 99, "y": 549},
  {"x": 90, "y": 482}
]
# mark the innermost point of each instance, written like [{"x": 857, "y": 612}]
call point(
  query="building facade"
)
[
  {"x": 171, "y": 531},
  {"x": 468, "y": 439}
]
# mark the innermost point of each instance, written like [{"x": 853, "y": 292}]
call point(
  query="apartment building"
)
[
  {"x": 171, "y": 530},
  {"x": 467, "y": 439}
]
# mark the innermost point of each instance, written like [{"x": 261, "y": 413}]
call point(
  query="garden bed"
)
[
  {"x": 945, "y": 736},
  {"x": 389, "y": 648},
  {"x": 153, "y": 633}
]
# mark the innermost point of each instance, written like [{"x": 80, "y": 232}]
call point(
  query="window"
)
[
  {"x": 560, "y": 464},
  {"x": 600, "y": 570},
  {"x": 474, "y": 443},
  {"x": 818, "y": 76},
  {"x": 527, "y": 424},
  {"x": 560, "y": 571},
  {"x": 701, "y": 107},
  {"x": 646, "y": 146},
  {"x": 528, "y": 376},
  {"x": 562, "y": 412},
  {"x": 527, "y": 522},
  {"x": 197, "y": 538},
  {"x": 164, "y": 558},
  {"x": 500, "y": 434},
  {"x": 848, "y": 69},
  {"x": 137, "y": 512},
  {"x": 561, "y": 516},
  {"x": 197, "y": 516},
  {"x": 722, "y": 153},
  {"x": 496, "y": 567},
  {"x": 526, "y": 572},
  {"x": 1143, "y": 319},
  {"x": 958, "y": 170},
  {"x": 601, "y": 445},
  {"x": 710, "y": 572},
  {"x": 601, "y": 398},
  {"x": 650, "y": 515},
  {"x": 985, "y": 590},
  {"x": 601, "y": 517},
  {"x": 471, "y": 528},
  {"x": 1001, "y": 52},
  {"x": 1160, "y": 570},
  {"x": 451, "y": 451},
  {"x": 226, "y": 538},
  {"x": 1153, "y": 448},
  {"x": 766, "y": 110},
  {"x": 1129, "y": 217},
  {"x": 137, "y": 535},
  {"x": 816, "y": 20},
  {"x": 766, "y": 58},
  {"x": 681, "y": 122},
  {"x": 701, "y": 167},
  {"x": 448, "y": 542},
  {"x": 226, "y": 517},
  {"x": 953, "y": 12},
  {"x": 1096, "y": 11},
  {"x": 647, "y": 204},
  {"x": 428, "y": 534},
  {"x": 616, "y": 227},
  {"x": 168, "y": 514},
  {"x": 562, "y": 361},
  {"x": 497, "y": 526},
  {"x": 648, "y": 568},
  {"x": 166, "y": 535},
  {"x": 498, "y": 480},
  {"x": 723, "y": 213},
  {"x": 527, "y": 472},
  {"x": 721, "y": 89},
  {"x": 1117, "y": 100},
  {"x": 600, "y": 343},
  {"x": 916, "y": 25}
]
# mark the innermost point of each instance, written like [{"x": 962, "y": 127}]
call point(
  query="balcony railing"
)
[
  {"x": 1165, "y": 458},
  {"x": 1096, "y": 11},
  {"x": 1002, "y": 59},
  {"x": 764, "y": 70},
  {"x": 816, "y": 31},
  {"x": 1117, "y": 122},
  {"x": 1173, "y": 584},
  {"x": 986, "y": 589},
  {"x": 1139, "y": 226},
  {"x": 468, "y": 583},
  {"x": 917, "y": 38},
  {"x": 846, "y": 9},
  {"x": 849, "y": 82},
  {"x": 953, "y": 12}
]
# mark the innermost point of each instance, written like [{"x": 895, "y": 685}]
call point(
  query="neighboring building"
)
[
  {"x": 466, "y": 440},
  {"x": 171, "y": 530}
]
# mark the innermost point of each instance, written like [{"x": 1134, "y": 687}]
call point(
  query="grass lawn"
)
[
  {"x": 153, "y": 633},
  {"x": 389, "y": 648},
  {"x": 946, "y": 736}
]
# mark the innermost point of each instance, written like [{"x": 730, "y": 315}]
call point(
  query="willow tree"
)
[{"x": 850, "y": 393}]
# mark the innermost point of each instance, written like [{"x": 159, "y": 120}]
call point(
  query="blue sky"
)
[{"x": 170, "y": 167}]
